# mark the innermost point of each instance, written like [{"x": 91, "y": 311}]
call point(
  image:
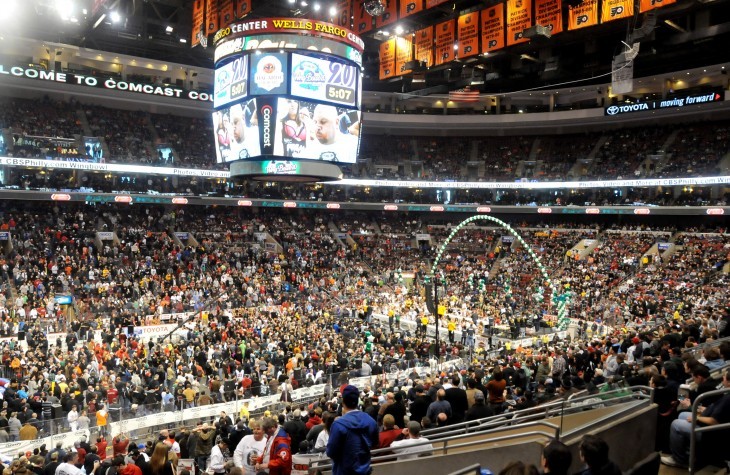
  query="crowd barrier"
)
[{"x": 178, "y": 418}]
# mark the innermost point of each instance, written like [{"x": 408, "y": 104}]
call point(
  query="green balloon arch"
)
[{"x": 561, "y": 300}]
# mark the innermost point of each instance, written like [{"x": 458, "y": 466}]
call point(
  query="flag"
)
[{"x": 464, "y": 95}]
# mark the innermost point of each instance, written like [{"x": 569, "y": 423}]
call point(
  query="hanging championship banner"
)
[
  {"x": 198, "y": 22},
  {"x": 409, "y": 7},
  {"x": 243, "y": 8},
  {"x": 403, "y": 54},
  {"x": 493, "y": 28},
  {"x": 616, "y": 9},
  {"x": 226, "y": 13},
  {"x": 519, "y": 18},
  {"x": 585, "y": 14},
  {"x": 469, "y": 35},
  {"x": 433, "y": 3},
  {"x": 424, "y": 46},
  {"x": 548, "y": 13},
  {"x": 362, "y": 22},
  {"x": 344, "y": 12},
  {"x": 445, "y": 38},
  {"x": 387, "y": 59},
  {"x": 211, "y": 17},
  {"x": 646, "y": 5},
  {"x": 389, "y": 16}
]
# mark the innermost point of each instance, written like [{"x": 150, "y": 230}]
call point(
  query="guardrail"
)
[{"x": 700, "y": 430}]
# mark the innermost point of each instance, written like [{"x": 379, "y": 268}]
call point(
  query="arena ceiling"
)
[{"x": 688, "y": 34}]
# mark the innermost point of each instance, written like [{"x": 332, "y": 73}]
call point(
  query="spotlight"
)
[
  {"x": 115, "y": 17},
  {"x": 374, "y": 7},
  {"x": 168, "y": 29},
  {"x": 317, "y": 7},
  {"x": 333, "y": 11},
  {"x": 398, "y": 30}
]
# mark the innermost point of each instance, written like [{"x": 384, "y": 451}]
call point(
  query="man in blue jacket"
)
[{"x": 351, "y": 437}]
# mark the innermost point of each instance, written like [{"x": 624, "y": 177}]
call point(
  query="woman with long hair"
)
[{"x": 159, "y": 462}]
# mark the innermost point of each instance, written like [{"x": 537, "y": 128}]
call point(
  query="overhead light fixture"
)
[
  {"x": 169, "y": 29},
  {"x": 398, "y": 30},
  {"x": 183, "y": 40},
  {"x": 529, "y": 58},
  {"x": 456, "y": 46},
  {"x": 675, "y": 26},
  {"x": 317, "y": 7},
  {"x": 304, "y": 4},
  {"x": 115, "y": 17},
  {"x": 333, "y": 10}
]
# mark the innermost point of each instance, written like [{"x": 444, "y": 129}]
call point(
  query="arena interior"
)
[{"x": 511, "y": 251}]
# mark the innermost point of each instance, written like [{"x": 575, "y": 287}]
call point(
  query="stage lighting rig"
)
[{"x": 374, "y": 7}]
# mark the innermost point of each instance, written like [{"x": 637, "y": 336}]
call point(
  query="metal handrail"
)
[
  {"x": 695, "y": 430},
  {"x": 476, "y": 469},
  {"x": 327, "y": 464},
  {"x": 707, "y": 344}
]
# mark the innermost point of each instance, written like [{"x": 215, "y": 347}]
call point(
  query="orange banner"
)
[
  {"x": 616, "y": 9},
  {"x": 198, "y": 22},
  {"x": 548, "y": 13},
  {"x": 424, "y": 46},
  {"x": 493, "y": 28},
  {"x": 243, "y": 8},
  {"x": 410, "y": 7},
  {"x": 646, "y": 5},
  {"x": 519, "y": 18},
  {"x": 343, "y": 14},
  {"x": 585, "y": 14},
  {"x": 226, "y": 13},
  {"x": 433, "y": 3},
  {"x": 211, "y": 17},
  {"x": 445, "y": 38},
  {"x": 469, "y": 35},
  {"x": 403, "y": 54},
  {"x": 387, "y": 59},
  {"x": 362, "y": 21},
  {"x": 390, "y": 15}
]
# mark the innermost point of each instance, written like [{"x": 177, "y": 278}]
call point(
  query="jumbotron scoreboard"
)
[{"x": 287, "y": 99}]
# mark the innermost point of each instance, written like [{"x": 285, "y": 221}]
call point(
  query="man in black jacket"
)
[
  {"x": 457, "y": 398},
  {"x": 419, "y": 406}
]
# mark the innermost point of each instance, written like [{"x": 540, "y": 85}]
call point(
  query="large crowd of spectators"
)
[{"x": 279, "y": 291}]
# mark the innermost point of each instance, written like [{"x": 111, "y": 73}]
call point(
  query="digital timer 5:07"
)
[{"x": 340, "y": 94}]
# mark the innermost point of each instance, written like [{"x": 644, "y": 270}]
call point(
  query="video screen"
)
[
  {"x": 324, "y": 80},
  {"x": 93, "y": 149},
  {"x": 312, "y": 131},
  {"x": 231, "y": 82},
  {"x": 269, "y": 74},
  {"x": 165, "y": 155},
  {"x": 236, "y": 132}
]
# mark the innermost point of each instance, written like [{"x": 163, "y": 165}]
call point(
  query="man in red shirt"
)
[
  {"x": 124, "y": 468},
  {"x": 111, "y": 395},
  {"x": 101, "y": 447},
  {"x": 120, "y": 444},
  {"x": 389, "y": 432}
]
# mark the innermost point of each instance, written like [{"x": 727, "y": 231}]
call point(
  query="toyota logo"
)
[{"x": 613, "y": 110}]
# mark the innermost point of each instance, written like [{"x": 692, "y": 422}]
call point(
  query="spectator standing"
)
[
  {"x": 250, "y": 448},
  {"x": 352, "y": 436},
  {"x": 277, "y": 455}
]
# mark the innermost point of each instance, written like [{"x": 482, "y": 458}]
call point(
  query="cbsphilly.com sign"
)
[{"x": 669, "y": 103}]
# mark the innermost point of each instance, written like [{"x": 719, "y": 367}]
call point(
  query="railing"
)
[
  {"x": 700, "y": 430},
  {"x": 447, "y": 438},
  {"x": 708, "y": 344}
]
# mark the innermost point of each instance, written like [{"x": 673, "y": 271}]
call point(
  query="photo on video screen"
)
[
  {"x": 236, "y": 132},
  {"x": 307, "y": 130}
]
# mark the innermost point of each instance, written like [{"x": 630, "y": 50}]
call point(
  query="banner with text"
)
[
  {"x": 646, "y": 5},
  {"x": 616, "y": 9},
  {"x": 410, "y": 7},
  {"x": 492, "y": 28},
  {"x": 519, "y": 18},
  {"x": 424, "y": 46},
  {"x": 548, "y": 13},
  {"x": 469, "y": 35},
  {"x": 344, "y": 13},
  {"x": 583, "y": 15},
  {"x": 390, "y": 15},
  {"x": 198, "y": 21},
  {"x": 403, "y": 54},
  {"x": 445, "y": 38},
  {"x": 387, "y": 59},
  {"x": 243, "y": 8},
  {"x": 211, "y": 17},
  {"x": 227, "y": 12},
  {"x": 362, "y": 21}
]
